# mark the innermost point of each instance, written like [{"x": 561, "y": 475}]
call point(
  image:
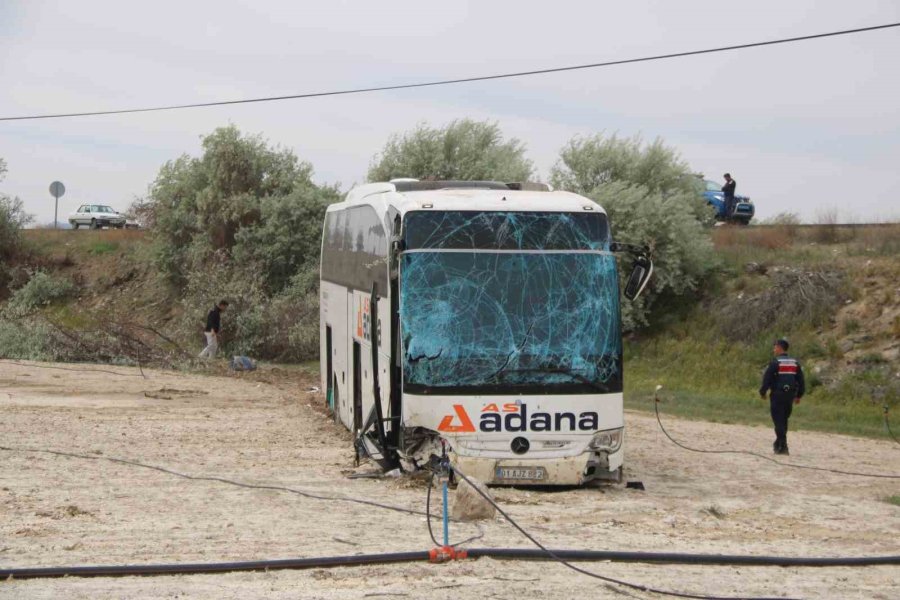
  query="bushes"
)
[
  {"x": 12, "y": 219},
  {"x": 287, "y": 238},
  {"x": 879, "y": 240},
  {"x": 199, "y": 205},
  {"x": 769, "y": 238},
  {"x": 23, "y": 336},
  {"x": 651, "y": 198},
  {"x": 827, "y": 231},
  {"x": 26, "y": 340},
  {"x": 243, "y": 222},
  {"x": 588, "y": 164},
  {"x": 793, "y": 300},
  {"x": 282, "y": 326},
  {"x": 41, "y": 290},
  {"x": 682, "y": 252},
  {"x": 464, "y": 149}
]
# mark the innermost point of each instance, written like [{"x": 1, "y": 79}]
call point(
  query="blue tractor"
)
[{"x": 743, "y": 207}]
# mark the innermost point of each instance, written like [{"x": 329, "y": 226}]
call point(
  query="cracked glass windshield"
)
[{"x": 509, "y": 302}]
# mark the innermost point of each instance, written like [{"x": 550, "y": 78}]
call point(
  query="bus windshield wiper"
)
[
  {"x": 563, "y": 370},
  {"x": 512, "y": 352}
]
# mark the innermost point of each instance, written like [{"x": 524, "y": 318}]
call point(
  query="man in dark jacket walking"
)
[
  {"x": 784, "y": 379},
  {"x": 728, "y": 190},
  {"x": 213, "y": 327}
]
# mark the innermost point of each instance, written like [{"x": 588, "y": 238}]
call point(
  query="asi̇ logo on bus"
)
[
  {"x": 364, "y": 320},
  {"x": 363, "y": 317},
  {"x": 515, "y": 417}
]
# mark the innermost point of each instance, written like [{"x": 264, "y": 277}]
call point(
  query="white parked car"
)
[{"x": 96, "y": 216}]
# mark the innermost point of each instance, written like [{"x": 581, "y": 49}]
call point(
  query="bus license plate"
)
[{"x": 521, "y": 473}]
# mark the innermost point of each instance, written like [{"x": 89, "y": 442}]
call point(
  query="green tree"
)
[
  {"x": 682, "y": 251},
  {"x": 464, "y": 149},
  {"x": 587, "y": 163},
  {"x": 12, "y": 219},
  {"x": 651, "y": 197},
  {"x": 288, "y": 237},
  {"x": 243, "y": 221},
  {"x": 198, "y": 206}
]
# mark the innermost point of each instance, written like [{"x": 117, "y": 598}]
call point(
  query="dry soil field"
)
[{"x": 259, "y": 429}]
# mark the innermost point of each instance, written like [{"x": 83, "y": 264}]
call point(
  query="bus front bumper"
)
[{"x": 569, "y": 470}]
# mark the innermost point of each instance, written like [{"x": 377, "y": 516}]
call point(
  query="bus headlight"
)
[{"x": 609, "y": 440}]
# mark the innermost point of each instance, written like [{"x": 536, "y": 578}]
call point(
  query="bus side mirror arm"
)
[
  {"x": 397, "y": 248},
  {"x": 641, "y": 270}
]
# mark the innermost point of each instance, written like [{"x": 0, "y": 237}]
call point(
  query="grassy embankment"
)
[
  {"x": 850, "y": 358},
  {"x": 111, "y": 269}
]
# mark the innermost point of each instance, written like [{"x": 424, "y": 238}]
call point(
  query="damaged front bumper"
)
[{"x": 569, "y": 470}]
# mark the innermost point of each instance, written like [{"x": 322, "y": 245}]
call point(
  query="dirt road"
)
[{"x": 259, "y": 429}]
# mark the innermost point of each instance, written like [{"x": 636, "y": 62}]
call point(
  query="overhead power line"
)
[{"x": 406, "y": 86}]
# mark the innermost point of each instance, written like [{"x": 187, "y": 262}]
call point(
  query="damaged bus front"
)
[
  {"x": 511, "y": 342},
  {"x": 479, "y": 320}
]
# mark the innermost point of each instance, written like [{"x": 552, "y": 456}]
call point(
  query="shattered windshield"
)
[
  {"x": 515, "y": 317},
  {"x": 494, "y": 230}
]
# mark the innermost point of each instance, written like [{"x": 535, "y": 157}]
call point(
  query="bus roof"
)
[{"x": 469, "y": 196}]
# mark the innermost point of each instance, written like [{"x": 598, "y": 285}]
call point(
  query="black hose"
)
[
  {"x": 402, "y": 557},
  {"x": 434, "y": 540},
  {"x": 222, "y": 567},
  {"x": 550, "y": 554},
  {"x": 684, "y": 559},
  {"x": 763, "y": 457}
]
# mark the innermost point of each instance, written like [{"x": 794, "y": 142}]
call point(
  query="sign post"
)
[{"x": 57, "y": 189}]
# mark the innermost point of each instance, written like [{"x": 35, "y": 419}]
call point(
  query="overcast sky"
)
[{"x": 804, "y": 128}]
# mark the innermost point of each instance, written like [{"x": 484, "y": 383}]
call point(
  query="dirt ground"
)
[{"x": 266, "y": 428}]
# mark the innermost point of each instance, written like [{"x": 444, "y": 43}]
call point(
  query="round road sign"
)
[{"x": 57, "y": 189}]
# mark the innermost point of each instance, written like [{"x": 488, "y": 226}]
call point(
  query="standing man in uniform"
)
[
  {"x": 213, "y": 326},
  {"x": 784, "y": 379},
  {"x": 728, "y": 190}
]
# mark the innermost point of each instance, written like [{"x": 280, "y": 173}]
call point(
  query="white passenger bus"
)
[{"x": 477, "y": 318}]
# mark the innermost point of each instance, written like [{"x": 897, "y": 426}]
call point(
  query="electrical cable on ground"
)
[
  {"x": 428, "y": 521},
  {"x": 405, "y": 86},
  {"x": 563, "y": 556},
  {"x": 40, "y": 366},
  {"x": 762, "y": 456},
  {"x": 612, "y": 580},
  {"x": 251, "y": 486}
]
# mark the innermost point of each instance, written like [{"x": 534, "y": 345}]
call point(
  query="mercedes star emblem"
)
[{"x": 520, "y": 445}]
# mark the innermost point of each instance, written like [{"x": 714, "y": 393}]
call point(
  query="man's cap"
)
[
  {"x": 727, "y": 175},
  {"x": 783, "y": 343}
]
